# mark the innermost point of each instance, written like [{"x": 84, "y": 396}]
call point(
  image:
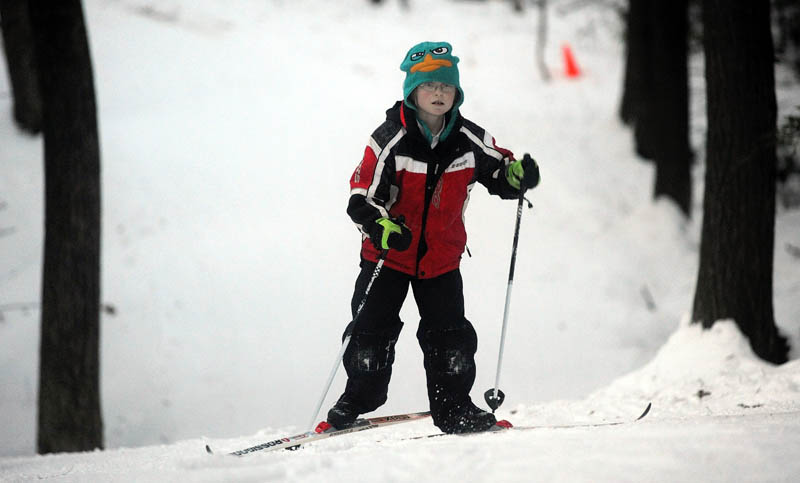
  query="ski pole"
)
[
  {"x": 346, "y": 341},
  {"x": 494, "y": 397}
]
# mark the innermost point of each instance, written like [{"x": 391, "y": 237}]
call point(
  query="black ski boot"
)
[
  {"x": 342, "y": 415},
  {"x": 465, "y": 418}
]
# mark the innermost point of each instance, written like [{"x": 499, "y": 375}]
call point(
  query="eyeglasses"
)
[{"x": 432, "y": 86}]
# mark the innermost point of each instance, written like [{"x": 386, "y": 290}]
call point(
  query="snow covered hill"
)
[
  {"x": 229, "y": 131},
  {"x": 744, "y": 427}
]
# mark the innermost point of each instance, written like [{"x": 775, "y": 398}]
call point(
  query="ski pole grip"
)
[
  {"x": 400, "y": 220},
  {"x": 523, "y": 188}
]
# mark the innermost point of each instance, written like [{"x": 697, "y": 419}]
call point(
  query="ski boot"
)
[
  {"x": 468, "y": 418},
  {"x": 341, "y": 416}
]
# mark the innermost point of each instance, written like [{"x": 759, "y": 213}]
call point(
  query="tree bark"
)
[
  {"x": 636, "y": 47},
  {"x": 670, "y": 103},
  {"x": 20, "y": 59},
  {"x": 69, "y": 389},
  {"x": 736, "y": 252},
  {"x": 645, "y": 104},
  {"x": 656, "y": 93}
]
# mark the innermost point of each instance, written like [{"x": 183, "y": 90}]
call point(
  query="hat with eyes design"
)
[{"x": 431, "y": 62}]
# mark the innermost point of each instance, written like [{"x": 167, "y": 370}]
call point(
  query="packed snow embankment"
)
[{"x": 697, "y": 372}]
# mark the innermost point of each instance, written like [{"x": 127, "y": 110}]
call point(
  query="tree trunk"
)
[
  {"x": 670, "y": 102},
  {"x": 636, "y": 47},
  {"x": 738, "y": 234},
  {"x": 541, "y": 40},
  {"x": 20, "y": 59},
  {"x": 787, "y": 13},
  {"x": 69, "y": 387},
  {"x": 656, "y": 93},
  {"x": 645, "y": 104}
]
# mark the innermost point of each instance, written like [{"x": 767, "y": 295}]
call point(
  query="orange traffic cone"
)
[{"x": 570, "y": 66}]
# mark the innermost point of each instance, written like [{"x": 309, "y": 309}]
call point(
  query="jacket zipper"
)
[{"x": 429, "y": 188}]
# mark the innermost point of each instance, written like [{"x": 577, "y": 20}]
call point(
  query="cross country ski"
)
[
  {"x": 293, "y": 442},
  {"x": 325, "y": 431},
  {"x": 588, "y": 425},
  {"x": 552, "y": 426}
]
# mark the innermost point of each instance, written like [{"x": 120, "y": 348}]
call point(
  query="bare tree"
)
[
  {"x": 787, "y": 15},
  {"x": 541, "y": 40},
  {"x": 636, "y": 39},
  {"x": 69, "y": 388},
  {"x": 670, "y": 101},
  {"x": 656, "y": 93},
  {"x": 18, "y": 46},
  {"x": 738, "y": 235}
]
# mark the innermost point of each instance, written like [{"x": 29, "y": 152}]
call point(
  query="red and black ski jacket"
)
[{"x": 400, "y": 174}]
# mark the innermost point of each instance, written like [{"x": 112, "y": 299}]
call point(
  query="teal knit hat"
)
[{"x": 432, "y": 62}]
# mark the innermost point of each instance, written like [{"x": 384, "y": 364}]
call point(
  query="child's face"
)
[{"x": 435, "y": 102}]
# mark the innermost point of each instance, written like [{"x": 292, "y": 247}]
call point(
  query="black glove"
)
[
  {"x": 386, "y": 233},
  {"x": 525, "y": 171}
]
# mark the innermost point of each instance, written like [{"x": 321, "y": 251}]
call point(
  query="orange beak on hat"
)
[{"x": 429, "y": 64}]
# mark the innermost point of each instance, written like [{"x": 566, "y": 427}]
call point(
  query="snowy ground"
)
[{"x": 228, "y": 137}]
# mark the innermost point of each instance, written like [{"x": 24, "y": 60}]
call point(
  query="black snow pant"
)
[{"x": 447, "y": 339}]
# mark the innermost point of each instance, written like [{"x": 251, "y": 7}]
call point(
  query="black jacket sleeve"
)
[
  {"x": 370, "y": 184},
  {"x": 491, "y": 162}
]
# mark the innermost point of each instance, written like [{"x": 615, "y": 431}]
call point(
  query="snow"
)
[{"x": 228, "y": 134}]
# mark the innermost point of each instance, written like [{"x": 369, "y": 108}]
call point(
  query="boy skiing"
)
[{"x": 408, "y": 197}]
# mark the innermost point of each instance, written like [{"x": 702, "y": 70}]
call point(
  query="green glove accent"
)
[
  {"x": 524, "y": 172},
  {"x": 389, "y": 227},
  {"x": 515, "y": 173}
]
